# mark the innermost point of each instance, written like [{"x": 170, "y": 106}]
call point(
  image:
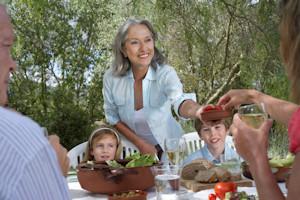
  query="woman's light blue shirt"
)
[
  {"x": 162, "y": 90},
  {"x": 229, "y": 153}
]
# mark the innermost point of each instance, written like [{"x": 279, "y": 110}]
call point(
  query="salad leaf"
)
[
  {"x": 138, "y": 160},
  {"x": 283, "y": 162},
  {"x": 114, "y": 164}
]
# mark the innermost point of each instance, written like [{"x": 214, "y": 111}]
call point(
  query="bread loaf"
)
[
  {"x": 222, "y": 173},
  {"x": 206, "y": 176},
  {"x": 191, "y": 170}
]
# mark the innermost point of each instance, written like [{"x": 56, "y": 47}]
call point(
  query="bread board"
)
[{"x": 196, "y": 186}]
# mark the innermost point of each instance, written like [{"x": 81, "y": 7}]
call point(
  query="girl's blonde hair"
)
[{"x": 99, "y": 133}]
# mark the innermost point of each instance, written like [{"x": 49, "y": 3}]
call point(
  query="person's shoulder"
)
[
  {"x": 14, "y": 117},
  {"x": 108, "y": 73},
  {"x": 164, "y": 67},
  {"x": 165, "y": 70},
  {"x": 17, "y": 127},
  {"x": 229, "y": 139}
]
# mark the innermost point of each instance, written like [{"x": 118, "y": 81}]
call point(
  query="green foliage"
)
[{"x": 64, "y": 47}]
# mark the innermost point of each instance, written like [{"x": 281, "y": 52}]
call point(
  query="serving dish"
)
[
  {"x": 101, "y": 178},
  {"x": 129, "y": 195},
  {"x": 281, "y": 173},
  {"x": 215, "y": 115}
]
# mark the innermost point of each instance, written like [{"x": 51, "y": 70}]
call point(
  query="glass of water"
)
[
  {"x": 167, "y": 181},
  {"x": 253, "y": 114}
]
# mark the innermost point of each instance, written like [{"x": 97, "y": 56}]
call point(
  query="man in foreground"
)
[{"x": 31, "y": 167}]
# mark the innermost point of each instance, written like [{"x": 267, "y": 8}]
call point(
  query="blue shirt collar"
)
[{"x": 149, "y": 76}]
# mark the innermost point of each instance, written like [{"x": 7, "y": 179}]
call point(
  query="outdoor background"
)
[{"x": 63, "y": 48}]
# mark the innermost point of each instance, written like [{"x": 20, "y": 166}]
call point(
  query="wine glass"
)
[
  {"x": 253, "y": 114},
  {"x": 176, "y": 150}
]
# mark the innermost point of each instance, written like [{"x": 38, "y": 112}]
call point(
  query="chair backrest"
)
[
  {"x": 193, "y": 142},
  {"x": 128, "y": 148},
  {"x": 76, "y": 154}
]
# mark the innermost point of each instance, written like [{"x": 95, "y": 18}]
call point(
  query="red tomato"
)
[
  {"x": 208, "y": 108},
  {"x": 222, "y": 187},
  {"x": 212, "y": 197}
]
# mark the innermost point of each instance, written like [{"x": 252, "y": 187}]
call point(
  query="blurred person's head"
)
[
  {"x": 7, "y": 64},
  {"x": 290, "y": 43},
  {"x": 213, "y": 133},
  {"x": 104, "y": 144},
  {"x": 134, "y": 44}
]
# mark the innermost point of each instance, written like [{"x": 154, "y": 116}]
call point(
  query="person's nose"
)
[
  {"x": 213, "y": 132},
  {"x": 143, "y": 46},
  {"x": 105, "y": 149}
]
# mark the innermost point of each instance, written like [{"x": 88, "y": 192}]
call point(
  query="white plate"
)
[{"x": 204, "y": 193}]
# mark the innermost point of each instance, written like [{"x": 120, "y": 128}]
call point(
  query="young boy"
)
[{"x": 217, "y": 142}]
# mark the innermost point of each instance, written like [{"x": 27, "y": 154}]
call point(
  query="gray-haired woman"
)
[{"x": 140, "y": 89}]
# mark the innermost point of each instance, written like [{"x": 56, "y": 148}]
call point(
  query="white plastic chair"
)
[
  {"x": 193, "y": 142},
  {"x": 76, "y": 154},
  {"x": 128, "y": 148}
]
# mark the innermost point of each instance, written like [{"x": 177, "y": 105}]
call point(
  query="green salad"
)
[{"x": 135, "y": 160}]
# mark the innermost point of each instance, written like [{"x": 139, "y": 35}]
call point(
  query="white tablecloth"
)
[{"x": 77, "y": 193}]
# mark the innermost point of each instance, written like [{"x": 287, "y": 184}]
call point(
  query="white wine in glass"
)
[
  {"x": 176, "y": 150},
  {"x": 253, "y": 115}
]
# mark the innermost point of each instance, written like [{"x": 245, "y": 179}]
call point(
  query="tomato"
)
[
  {"x": 222, "y": 187},
  {"x": 212, "y": 196},
  {"x": 208, "y": 108},
  {"x": 212, "y": 107}
]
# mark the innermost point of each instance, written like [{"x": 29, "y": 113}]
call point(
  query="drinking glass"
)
[
  {"x": 253, "y": 114},
  {"x": 167, "y": 180},
  {"x": 176, "y": 149},
  {"x": 233, "y": 165}
]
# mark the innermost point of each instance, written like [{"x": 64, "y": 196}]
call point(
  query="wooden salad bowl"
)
[{"x": 101, "y": 178}]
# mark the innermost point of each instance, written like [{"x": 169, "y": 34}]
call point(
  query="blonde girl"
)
[{"x": 104, "y": 144}]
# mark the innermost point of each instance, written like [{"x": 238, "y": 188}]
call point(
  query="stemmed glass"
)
[
  {"x": 253, "y": 114},
  {"x": 176, "y": 149}
]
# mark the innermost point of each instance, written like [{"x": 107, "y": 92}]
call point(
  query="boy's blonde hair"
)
[{"x": 99, "y": 133}]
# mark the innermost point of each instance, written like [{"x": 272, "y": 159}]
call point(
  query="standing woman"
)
[{"x": 140, "y": 89}]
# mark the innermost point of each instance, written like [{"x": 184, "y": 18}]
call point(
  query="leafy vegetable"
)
[
  {"x": 114, "y": 164},
  {"x": 283, "y": 162},
  {"x": 138, "y": 160},
  {"x": 239, "y": 196}
]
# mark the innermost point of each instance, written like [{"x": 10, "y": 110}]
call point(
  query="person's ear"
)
[{"x": 123, "y": 51}]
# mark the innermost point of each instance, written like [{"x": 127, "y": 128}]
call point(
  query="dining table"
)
[{"x": 78, "y": 193}]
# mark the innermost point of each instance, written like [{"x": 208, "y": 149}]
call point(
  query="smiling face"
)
[
  {"x": 214, "y": 133},
  {"x": 7, "y": 64},
  {"x": 104, "y": 147},
  {"x": 139, "y": 46}
]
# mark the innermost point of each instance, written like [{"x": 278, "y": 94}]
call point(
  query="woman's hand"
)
[
  {"x": 250, "y": 142},
  {"x": 234, "y": 98},
  {"x": 146, "y": 148}
]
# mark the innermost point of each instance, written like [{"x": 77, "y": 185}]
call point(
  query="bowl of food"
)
[
  {"x": 116, "y": 176},
  {"x": 129, "y": 195},
  {"x": 281, "y": 172}
]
